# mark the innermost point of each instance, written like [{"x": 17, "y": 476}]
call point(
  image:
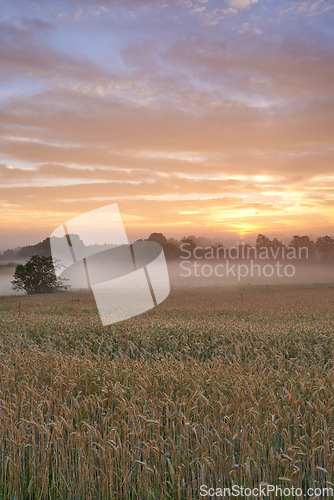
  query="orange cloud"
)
[{"x": 223, "y": 128}]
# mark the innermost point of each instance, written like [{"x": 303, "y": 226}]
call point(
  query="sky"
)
[{"x": 205, "y": 117}]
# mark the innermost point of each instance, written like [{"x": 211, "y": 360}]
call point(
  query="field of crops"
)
[{"x": 214, "y": 386}]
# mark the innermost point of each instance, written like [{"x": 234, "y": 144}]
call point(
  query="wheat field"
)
[{"x": 215, "y": 386}]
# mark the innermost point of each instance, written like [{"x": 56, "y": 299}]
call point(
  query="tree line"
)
[
  {"x": 38, "y": 274},
  {"x": 322, "y": 249}
]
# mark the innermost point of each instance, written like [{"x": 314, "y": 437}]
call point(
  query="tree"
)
[
  {"x": 158, "y": 238},
  {"x": 300, "y": 242},
  {"x": 37, "y": 276},
  {"x": 325, "y": 248},
  {"x": 190, "y": 241},
  {"x": 262, "y": 241}
]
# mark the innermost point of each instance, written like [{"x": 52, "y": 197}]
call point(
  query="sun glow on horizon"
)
[{"x": 194, "y": 117}]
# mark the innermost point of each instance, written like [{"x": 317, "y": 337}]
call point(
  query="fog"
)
[
  {"x": 207, "y": 274},
  {"x": 6, "y": 275},
  {"x": 212, "y": 273}
]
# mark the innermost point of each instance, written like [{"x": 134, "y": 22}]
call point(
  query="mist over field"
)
[
  {"x": 189, "y": 277},
  {"x": 6, "y": 275},
  {"x": 208, "y": 274}
]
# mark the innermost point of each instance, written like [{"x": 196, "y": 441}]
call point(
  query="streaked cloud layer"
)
[{"x": 196, "y": 116}]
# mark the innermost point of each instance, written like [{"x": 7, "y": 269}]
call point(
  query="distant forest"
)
[{"x": 322, "y": 249}]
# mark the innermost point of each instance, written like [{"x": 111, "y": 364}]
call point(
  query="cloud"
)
[
  {"x": 241, "y": 4},
  {"x": 160, "y": 112},
  {"x": 309, "y": 8},
  {"x": 24, "y": 55}
]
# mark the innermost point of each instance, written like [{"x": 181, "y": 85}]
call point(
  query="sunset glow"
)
[{"x": 198, "y": 117}]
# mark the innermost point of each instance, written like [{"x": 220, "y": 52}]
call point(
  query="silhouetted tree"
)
[
  {"x": 277, "y": 247},
  {"x": 325, "y": 248},
  {"x": 190, "y": 243},
  {"x": 37, "y": 276},
  {"x": 303, "y": 242},
  {"x": 158, "y": 238},
  {"x": 40, "y": 249},
  {"x": 173, "y": 241},
  {"x": 262, "y": 241}
]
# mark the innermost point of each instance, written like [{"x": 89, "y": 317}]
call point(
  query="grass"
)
[{"x": 214, "y": 386}]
